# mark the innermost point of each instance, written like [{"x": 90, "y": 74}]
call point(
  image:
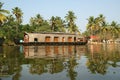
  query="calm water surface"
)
[{"x": 91, "y": 62}]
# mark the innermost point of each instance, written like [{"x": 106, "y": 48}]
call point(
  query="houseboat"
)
[{"x": 56, "y": 38}]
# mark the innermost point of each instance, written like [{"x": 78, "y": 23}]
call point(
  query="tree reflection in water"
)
[
  {"x": 57, "y": 59},
  {"x": 10, "y": 62},
  {"x": 99, "y": 60},
  {"x": 71, "y": 66},
  {"x": 40, "y": 66},
  {"x": 97, "y": 64},
  {"x": 54, "y": 61}
]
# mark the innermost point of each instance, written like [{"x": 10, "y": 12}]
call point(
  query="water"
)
[{"x": 91, "y": 62}]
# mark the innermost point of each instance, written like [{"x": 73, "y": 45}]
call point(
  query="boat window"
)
[
  {"x": 56, "y": 39},
  {"x": 47, "y": 39},
  {"x": 74, "y": 39},
  {"x": 69, "y": 39},
  {"x": 63, "y": 39},
  {"x": 35, "y": 39}
]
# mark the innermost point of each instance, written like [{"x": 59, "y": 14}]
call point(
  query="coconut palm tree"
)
[
  {"x": 18, "y": 20},
  {"x": 60, "y": 24},
  {"x": 3, "y": 17},
  {"x": 53, "y": 23},
  {"x": 91, "y": 25},
  {"x": 38, "y": 20},
  {"x": 114, "y": 29},
  {"x": 94, "y": 25},
  {"x": 104, "y": 29},
  {"x": 101, "y": 25},
  {"x": 18, "y": 14},
  {"x": 70, "y": 18},
  {"x": 101, "y": 19},
  {"x": 57, "y": 24},
  {"x": 32, "y": 21},
  {"x": 38, "y": 24}
]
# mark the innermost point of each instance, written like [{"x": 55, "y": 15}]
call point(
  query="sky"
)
[{"x": 82, "y": 9}]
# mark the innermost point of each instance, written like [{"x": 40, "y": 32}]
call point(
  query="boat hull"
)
[{"x": 51, "y": 43}]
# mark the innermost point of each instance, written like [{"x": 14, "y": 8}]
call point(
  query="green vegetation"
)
[
  {"x": 104, "y": 30},
  {"x": 11, "y": 26},
  {"x": 3, "y": 17},
  {"x": 99, "y": 61},
  {"x": 11, "y": 61}
]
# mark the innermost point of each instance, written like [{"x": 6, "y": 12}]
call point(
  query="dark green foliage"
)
[{"x": 11, "y": 26}]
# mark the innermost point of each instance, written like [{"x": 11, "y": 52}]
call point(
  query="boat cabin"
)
[{"x": 52, "y": 37}]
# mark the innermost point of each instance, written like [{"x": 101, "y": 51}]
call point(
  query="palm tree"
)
[
  {"x": 94, "y": 25},
  {"x": 53, "y": 24},
  {"x": 38, "y": 24},
  {"x": 114, "y": 29},
  {"x": 101, "y": 24},
  {"x": 32, "y": 21},
  {"x": 3, "y": 17},
  {"x": 91, "y": 25},
  {"x": 104, "y": 29},
  {"x": 57, "y": 24},
  {"x": 60, "y": 24},
  {"x": 70, "y": 18},
  {"x": 101, "y": 19},
  {"x": 18, "y": 14},
  {"x": 38, "y": 20}
]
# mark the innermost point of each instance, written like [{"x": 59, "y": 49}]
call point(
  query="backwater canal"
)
[{"x": 90, "y": 62}]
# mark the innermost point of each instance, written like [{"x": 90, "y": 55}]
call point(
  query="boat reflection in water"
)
[
  {"x": 54, "y": 60},
  {"x": 53, "y": 51},
  {"x": 91, "y": 62}
]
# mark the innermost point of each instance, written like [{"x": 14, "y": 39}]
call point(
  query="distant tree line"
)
[
  {"x": 11, "y": 26},
  {"x": 98, "y": 26}
]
